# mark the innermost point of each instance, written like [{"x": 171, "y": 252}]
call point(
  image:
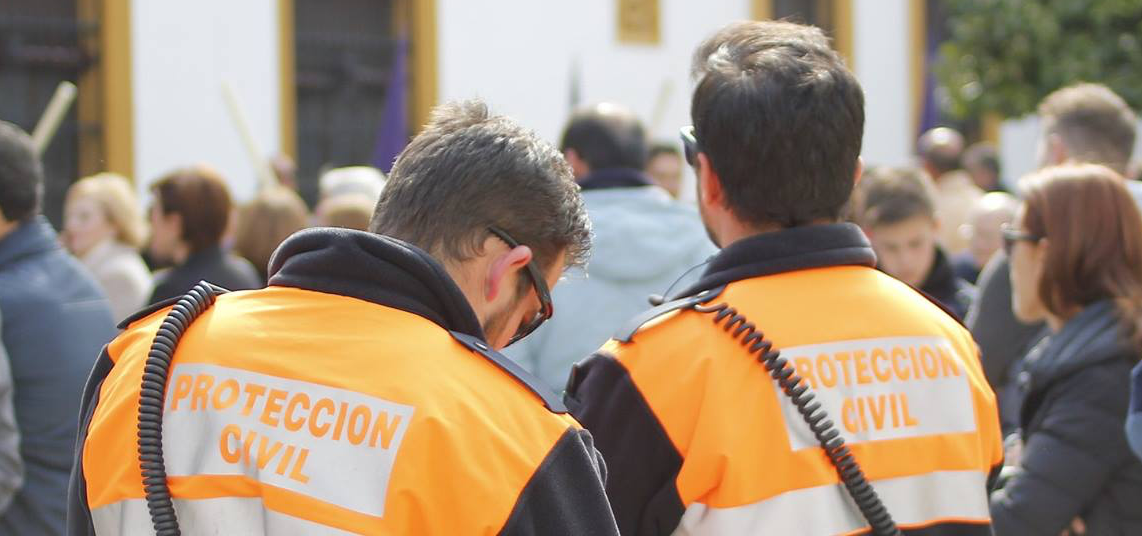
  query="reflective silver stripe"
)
[
  {"x": 825, "y": 510},
  {"x": 226, "y": 515}
]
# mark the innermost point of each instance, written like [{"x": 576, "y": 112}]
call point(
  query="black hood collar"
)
[
  {"x": 607, "y": 178},
  {"x": 787, "y": 250},
  {"x": 374, "y": 268},
  {"x": 941, "y": 280}
]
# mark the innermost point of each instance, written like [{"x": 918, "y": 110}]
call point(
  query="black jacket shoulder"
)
[{"x": 1076, "y": 461}]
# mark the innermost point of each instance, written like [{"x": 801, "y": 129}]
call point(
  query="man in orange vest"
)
[
  {"x": 362, "y": 391},
  {"x": 794, "y": 389}
]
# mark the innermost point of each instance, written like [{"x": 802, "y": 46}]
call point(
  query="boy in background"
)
[{"x": 896, "y": 208}]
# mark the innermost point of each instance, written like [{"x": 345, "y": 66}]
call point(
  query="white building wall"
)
[
  {"x": 519, "y": 55},
  {"x": 182, "y": 53},
  {"x": 882, "y": 53}
]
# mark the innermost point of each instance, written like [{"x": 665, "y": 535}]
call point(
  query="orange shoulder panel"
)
[
  {"x": 461, "y": 437},
  {"x": 723, "y": 413}
]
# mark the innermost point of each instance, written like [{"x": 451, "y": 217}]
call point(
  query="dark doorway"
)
[
  {"x": 345, "y": 51},
  {"x": 40, "y": 46}
]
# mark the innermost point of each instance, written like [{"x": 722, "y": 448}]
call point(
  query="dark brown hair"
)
[
  {"x": 469, "y": 170},
  {"x": 780, "y": 119},
  {"x": 200, "y": 196},
  {"x": 1094, "y": 241},
  {"x": 21, "y": 175},
  {"x": 606, "y": 136},
  {"x": 1094, "y": 123}
]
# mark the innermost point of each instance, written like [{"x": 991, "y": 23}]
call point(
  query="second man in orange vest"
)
[{"x": 712, "y": 411}]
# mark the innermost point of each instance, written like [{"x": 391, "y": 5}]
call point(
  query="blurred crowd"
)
[{"x": 1045, "y": 270}]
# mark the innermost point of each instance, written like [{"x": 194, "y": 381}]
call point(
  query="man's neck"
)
[
  {"x": 936, "y": 174},
  {"x": 7, "y": 227},
  {"x": 466, "y": 277},
  {"x": 740, "y": 231},
  {"x": 180, "y": 254}
]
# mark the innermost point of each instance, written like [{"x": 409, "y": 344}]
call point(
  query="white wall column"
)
[
  {"x": 182, "y": 53},
  {"x": 882, "y": 51}
]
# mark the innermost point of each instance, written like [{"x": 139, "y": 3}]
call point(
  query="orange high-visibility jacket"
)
[
  {"x": 353, "y": 396},
  {"x": 698, "y": 438}
]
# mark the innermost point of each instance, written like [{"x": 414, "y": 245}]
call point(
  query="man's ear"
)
[
  {"x": 579, "y": 167},
  {"x": 1057, "y": 149},
  {"x": 859, "y": 172},
  {"x": 709, "y": 184},
  {"x": 502, "y": 267},
  {"x": 175, "y": 219}
]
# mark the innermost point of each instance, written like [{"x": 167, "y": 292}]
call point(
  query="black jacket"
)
[
  {"x": 943, "y": 285},
  {"x": 211, "y": 264},
  {"x": 1002, "y": 338},
  {"x": 1075, "y": 461}
]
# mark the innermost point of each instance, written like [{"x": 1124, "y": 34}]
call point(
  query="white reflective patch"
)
[
  {"x": 334, "y": 445},
  {"x": 960, "y": 496},
  {"x": 226, "y": 515},
  {"x": 877, "y": 389}
]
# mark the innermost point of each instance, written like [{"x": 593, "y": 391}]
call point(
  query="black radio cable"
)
[
  {"x": 857, "y": 485},
  {"x": 152, "y": 396}
]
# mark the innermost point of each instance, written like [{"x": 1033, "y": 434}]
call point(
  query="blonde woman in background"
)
[{"x": 103, "y": 227}]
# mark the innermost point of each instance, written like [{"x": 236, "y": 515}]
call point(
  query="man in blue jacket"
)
[
  {"x": 644, "y": 240},
  {"x": 55, "y": 321}
]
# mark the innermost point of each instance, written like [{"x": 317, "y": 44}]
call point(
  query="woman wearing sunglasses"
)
[{"x": 1076, "y": 262}]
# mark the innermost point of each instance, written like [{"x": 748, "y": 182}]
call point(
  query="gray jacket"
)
[
  {"x": 1075, "y": 461},
  {"x": 55, "y": 321},
  {"x": 11, "y": 464},
  {"x": 643, "y": 242}
]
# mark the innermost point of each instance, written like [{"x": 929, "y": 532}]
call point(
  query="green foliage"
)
[{"x": 1004, "y": 56}]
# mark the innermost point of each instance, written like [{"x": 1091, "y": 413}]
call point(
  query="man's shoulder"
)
[
  {"x": 636, "y": 200},
  {"x": 46, "y": 277},
  {"x": 803, "y": 303}
]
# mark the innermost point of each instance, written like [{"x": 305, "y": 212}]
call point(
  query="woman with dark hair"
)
[
  {"x": 1076, "y": 262},
  {"x": 190, "y": 214}
]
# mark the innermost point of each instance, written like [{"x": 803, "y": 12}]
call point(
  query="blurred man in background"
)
[
  {"x": 643, "y": 242},
  {"x": 347, "y": 196},
  {"x": 981, "y": 161},
  {"x": 941, "y": 151},
  {"x": 983, "y": 232},
  {"x": 55, "y": 320},
  {"x": 664, "y": 166}
]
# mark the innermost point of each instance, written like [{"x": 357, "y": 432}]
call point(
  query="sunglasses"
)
[
  {"x": 1012, "y": 235},
  {"x": 690, "y": 145},
  {"x": 546, "y": 307}
]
